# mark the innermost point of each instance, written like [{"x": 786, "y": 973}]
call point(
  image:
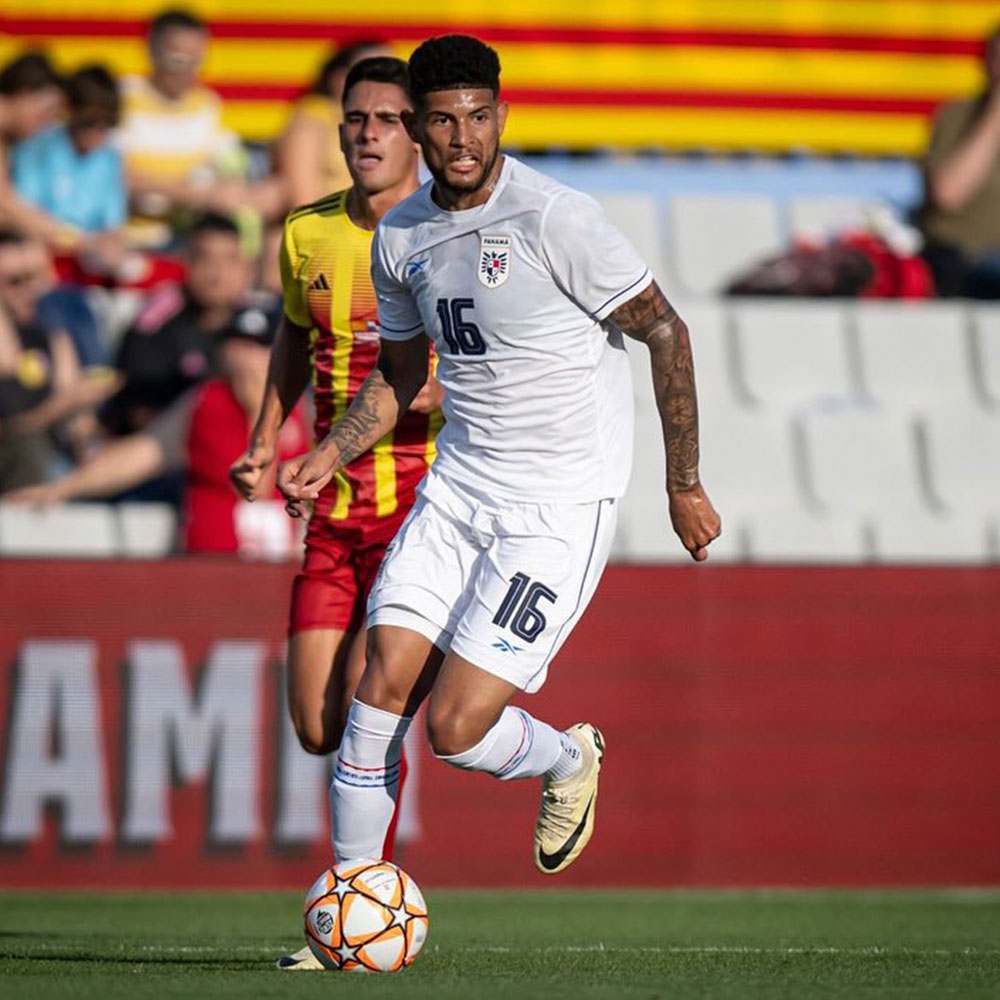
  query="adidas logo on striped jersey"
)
[{"x": 319, "y": 284}]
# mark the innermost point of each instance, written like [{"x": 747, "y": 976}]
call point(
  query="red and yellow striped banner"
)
[{"x": 828, "y": 75}]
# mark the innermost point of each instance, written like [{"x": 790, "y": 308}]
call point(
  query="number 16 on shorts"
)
[{"x": 521, "y": 607}]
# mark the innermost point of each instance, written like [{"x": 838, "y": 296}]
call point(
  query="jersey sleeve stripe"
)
[
  {"x": 408, "y": 329},
  {"x": 609, "y": 306}
]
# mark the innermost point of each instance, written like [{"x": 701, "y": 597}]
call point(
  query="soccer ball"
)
[{"x": 367, "y": 916}]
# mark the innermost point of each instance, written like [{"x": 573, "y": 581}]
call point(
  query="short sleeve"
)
[
  {"x": 590, "y": 259},
  {"x": 115, "y": 208},
  {"x": 292, "y": 290},
  {"x": 398, "y": 316}
]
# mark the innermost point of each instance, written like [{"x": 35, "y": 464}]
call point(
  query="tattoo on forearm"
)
[
  {"x": 372, "y": 413},
  {"x": 651, "y": 319}
]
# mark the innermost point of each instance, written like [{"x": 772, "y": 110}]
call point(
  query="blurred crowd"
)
[
  {"x": 139, "y": 285},
  {"x": 139, "y": 281}
]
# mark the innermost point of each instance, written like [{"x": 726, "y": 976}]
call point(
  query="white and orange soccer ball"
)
[{"x": 366, "y": 916}]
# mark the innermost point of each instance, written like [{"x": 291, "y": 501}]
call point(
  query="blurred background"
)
[{"x": 816, "y": 185}]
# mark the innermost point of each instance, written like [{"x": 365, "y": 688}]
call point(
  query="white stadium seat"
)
[
  {"x": 863, "y": 460},
  {"x": 71, "y": 530},
  {"x": 915, "y": 355},
  {"x": 799, "y": 536},
  {"x": 715, "y": 237},
  {"x": 638, "y": 217},
  {"x": 986, "y": 330},
  {"x": 903, "y": 536},
  {"x": 868, "y": 462},
  {"x": 747, "y": 461},
  {"x": 148, "y": 530},
  {"x": 963, "y": 458},
  {"x": 793, "y": 354}
]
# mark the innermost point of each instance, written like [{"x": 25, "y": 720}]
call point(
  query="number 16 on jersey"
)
[{"x": 461, "y": 335}]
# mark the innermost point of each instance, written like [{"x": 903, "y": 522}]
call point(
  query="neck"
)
[
  {"x": 366, "y": 210},
  {"x": 457, "y": 201},
  {"x": 157, "y": 83},
  {"x": 214, "y": 318}
]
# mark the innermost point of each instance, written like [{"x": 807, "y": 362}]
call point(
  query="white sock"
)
[
  {"x": 366, "y": 781},
  {"x": 517, "y": 746},
  {"x": 570, "y": 760}
]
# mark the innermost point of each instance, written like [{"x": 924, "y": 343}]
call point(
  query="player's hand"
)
[
  {"x": 430, "y": 397},
  {"x": 249, "y": 470},
  {"x": 301, "y": 479},
  {"x": 695, "y": 520}
]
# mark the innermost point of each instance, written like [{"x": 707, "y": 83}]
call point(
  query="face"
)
[
  {"x": 459, "y": 132},
  {"x": 90, "y": 127},
  {"x": 218, "y": 272},
  {"x": 34, "y": 110},
  {"x": 177, "y": 55},
  {"x": 23, "y": 274},
  {"x": 380, "y": 154}
]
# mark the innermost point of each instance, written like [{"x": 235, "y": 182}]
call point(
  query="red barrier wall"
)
[{"x": 764, "y": 725}]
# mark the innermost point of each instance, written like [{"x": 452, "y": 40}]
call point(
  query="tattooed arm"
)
[
  {"x": 651, "y": 319},
  {"x": 383, "y": 398}
]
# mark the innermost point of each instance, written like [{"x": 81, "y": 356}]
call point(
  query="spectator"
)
[
  {"x": 171, "y": 347},
  {"x": 172, "y": 135},
  {"x": 309, "y": 159},
  {"x": 71, "y": 173},
  {"x": 961, "y": 217},
  {"x": 199, "y": 437},
  {"x": 40, "y": 380},
  {"x": 31, "y": 100}
]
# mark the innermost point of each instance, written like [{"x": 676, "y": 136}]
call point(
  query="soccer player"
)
[
  {"x": 526, "y": 290},
  {"x": 330, "y": 328}
]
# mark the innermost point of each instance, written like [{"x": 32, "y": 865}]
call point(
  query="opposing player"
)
[
  {"x": 525, "y": 289},
  {"x": 330, "y": 329}
]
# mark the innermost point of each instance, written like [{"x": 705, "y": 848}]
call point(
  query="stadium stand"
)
[
  {"x": 915, "y": 356},
  {"x": 787, "y": 356},
  {"x": 986, "y": 351}
]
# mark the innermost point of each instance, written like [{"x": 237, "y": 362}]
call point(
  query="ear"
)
[
  {"x": 411, "y": 122},
  {"x": 502, "y": 108}
]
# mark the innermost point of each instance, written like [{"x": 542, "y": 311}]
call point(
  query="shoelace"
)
[{"x": 557, "y": 817}]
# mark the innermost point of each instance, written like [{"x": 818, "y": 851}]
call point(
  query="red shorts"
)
[{"x": 339, "y": 568}]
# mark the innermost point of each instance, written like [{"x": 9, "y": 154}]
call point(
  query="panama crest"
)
[{"x": 494, "y": 260}]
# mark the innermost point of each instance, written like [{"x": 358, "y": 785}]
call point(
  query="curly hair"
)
[{"x": 451, "y": 62}]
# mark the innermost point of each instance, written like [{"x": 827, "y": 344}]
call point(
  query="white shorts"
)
[{"x": 501, "y": 584}]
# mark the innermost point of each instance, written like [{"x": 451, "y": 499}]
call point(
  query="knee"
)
[
  {"x": 451, "y": 730},
  {"x": 384, "y": 683},
  {"x": 315, "y": 736}
]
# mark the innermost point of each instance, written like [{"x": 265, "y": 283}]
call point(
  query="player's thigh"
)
[
  {"x": 464, "y": 705},
  {"x": 400, "y": 669},
  {"x": 425, "y": 578},
  {"x": 530, "y": 591},
  {"x": 316, "y": 659}
]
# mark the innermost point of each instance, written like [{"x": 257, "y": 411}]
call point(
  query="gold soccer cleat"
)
[
  {"x": 566, "y": 817},
  {"x": 302, "y": 960}
]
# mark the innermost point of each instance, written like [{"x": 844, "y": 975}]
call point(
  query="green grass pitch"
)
[{"x": 552, "y": 945}]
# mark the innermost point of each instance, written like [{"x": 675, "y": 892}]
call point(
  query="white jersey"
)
[{"x": 538, "y": 399}]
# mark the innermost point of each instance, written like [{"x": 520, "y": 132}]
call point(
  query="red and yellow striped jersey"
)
[{"x": 325, "y": 273}]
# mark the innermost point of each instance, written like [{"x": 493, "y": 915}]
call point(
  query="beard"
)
[{"x": 470, "y": 184}]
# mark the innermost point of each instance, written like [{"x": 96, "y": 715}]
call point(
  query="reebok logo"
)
[
  {"x": 415, "y": 267},
  {"x": 506, "y": 647}
]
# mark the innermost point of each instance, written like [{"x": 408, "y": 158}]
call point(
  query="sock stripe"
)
[
  {"x": 365, "y": 777},
  {"x": 522, "y": 751}
]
